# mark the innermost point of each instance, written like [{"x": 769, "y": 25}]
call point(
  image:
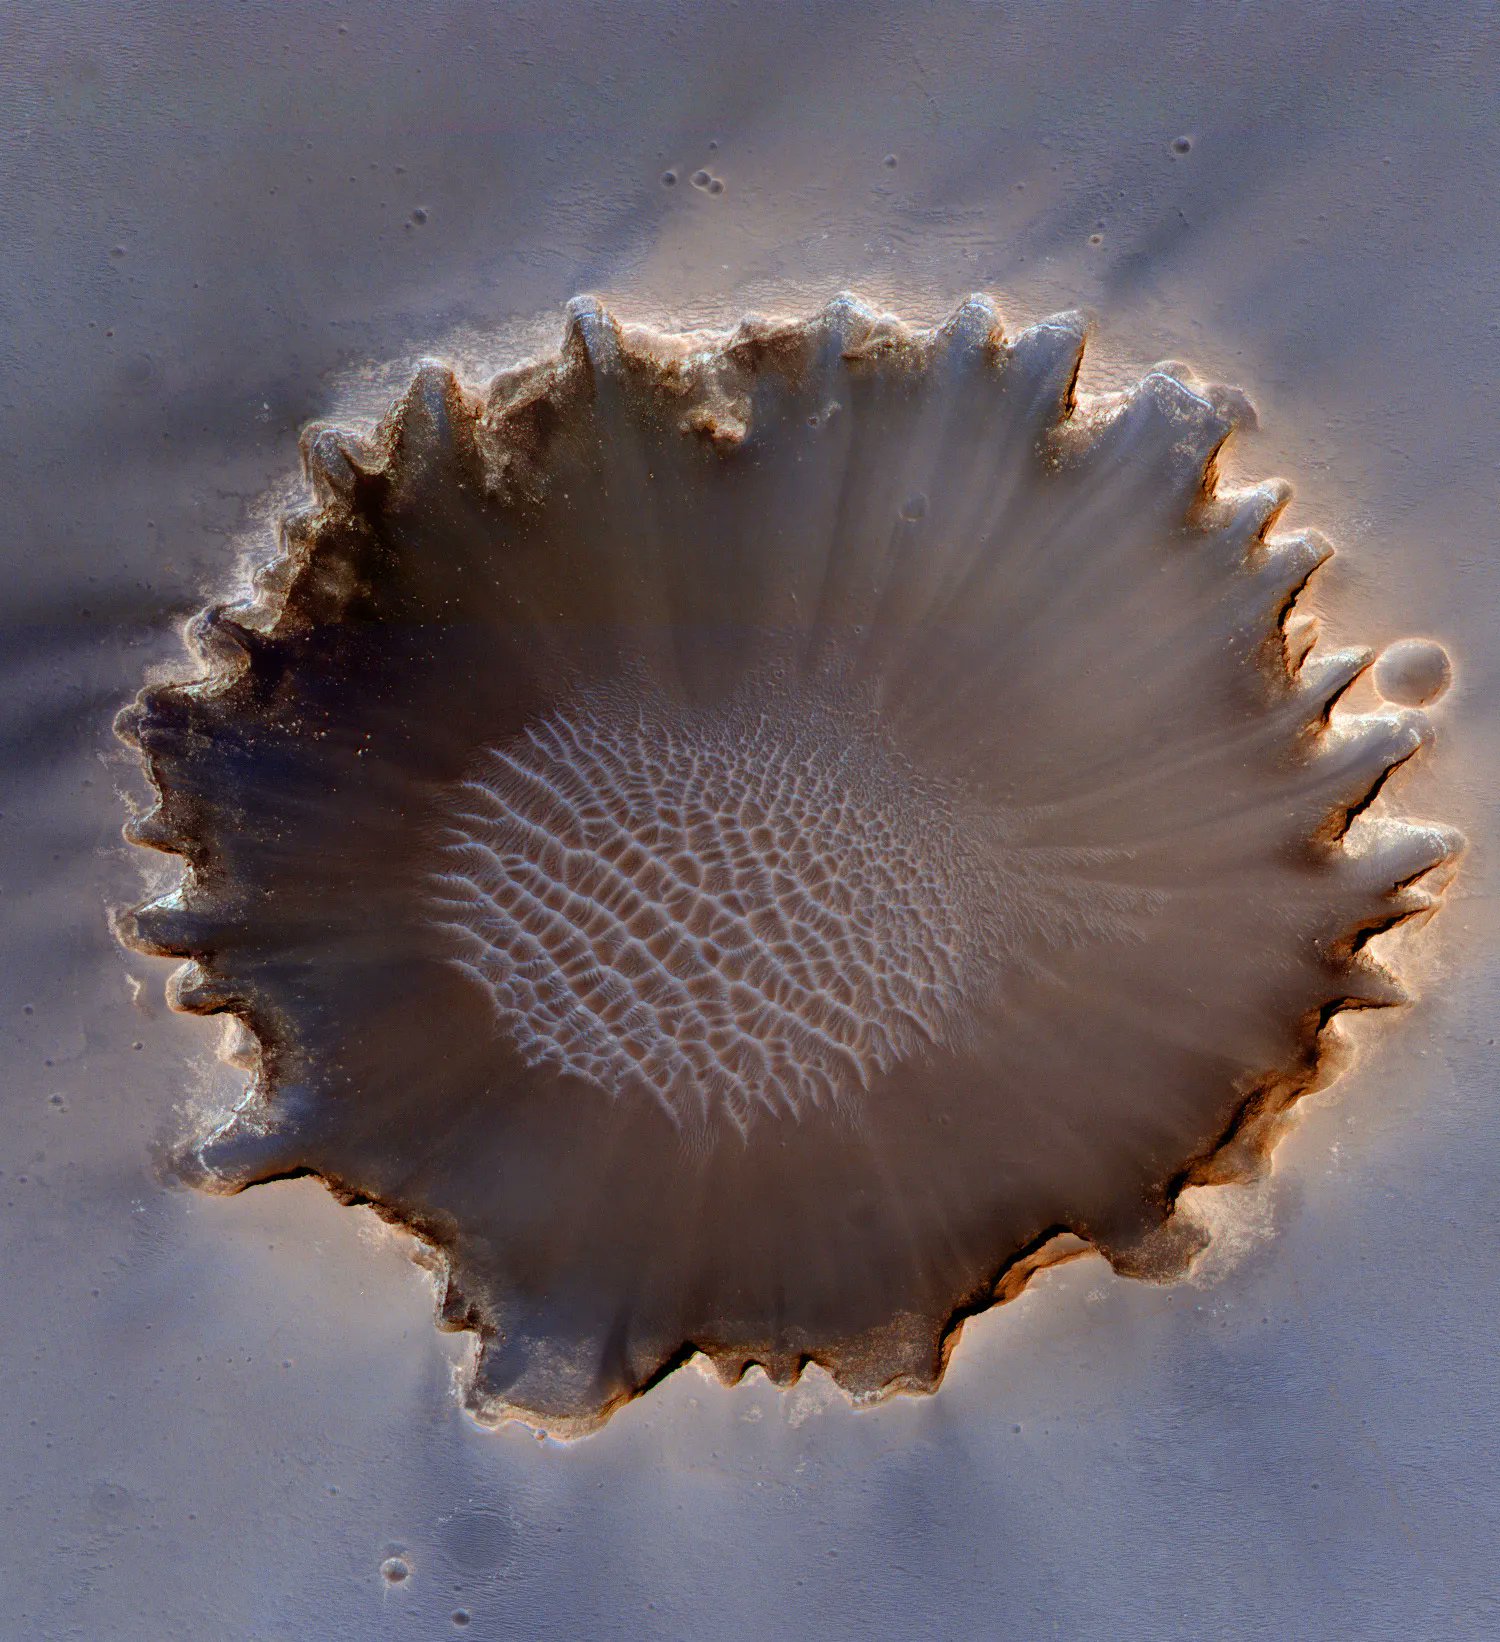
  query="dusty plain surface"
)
[{"x": 223, "y": 1417}]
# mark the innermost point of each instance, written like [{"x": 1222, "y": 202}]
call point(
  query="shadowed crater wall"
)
[{"x": 745, "y": 842}]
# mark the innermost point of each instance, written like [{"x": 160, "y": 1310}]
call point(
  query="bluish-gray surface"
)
[{"x": 221, "y": 1415}]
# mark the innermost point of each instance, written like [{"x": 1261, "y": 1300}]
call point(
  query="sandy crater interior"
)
[{"x": 753, "y": 909}]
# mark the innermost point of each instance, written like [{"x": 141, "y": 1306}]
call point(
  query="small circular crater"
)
[
  {"x": 1182, "y": 145},
  {"x": 669, "y": 179},
  {"x": 701, "y": 179},
  {"x": 1413, "y": 672},
  {"x": 139, "y": 373},
  {"x": 479, "y": 1540},
  {"x": 395, "y": 1570},
  {"x": 716, "y": 185},
  {"x": 111, "y": 1500},
  {"x": 890, "y": 162},
  {"x": 461, "y": 1617}
]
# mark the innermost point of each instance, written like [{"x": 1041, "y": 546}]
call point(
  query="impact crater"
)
[{"x": 755, "y": 842}]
